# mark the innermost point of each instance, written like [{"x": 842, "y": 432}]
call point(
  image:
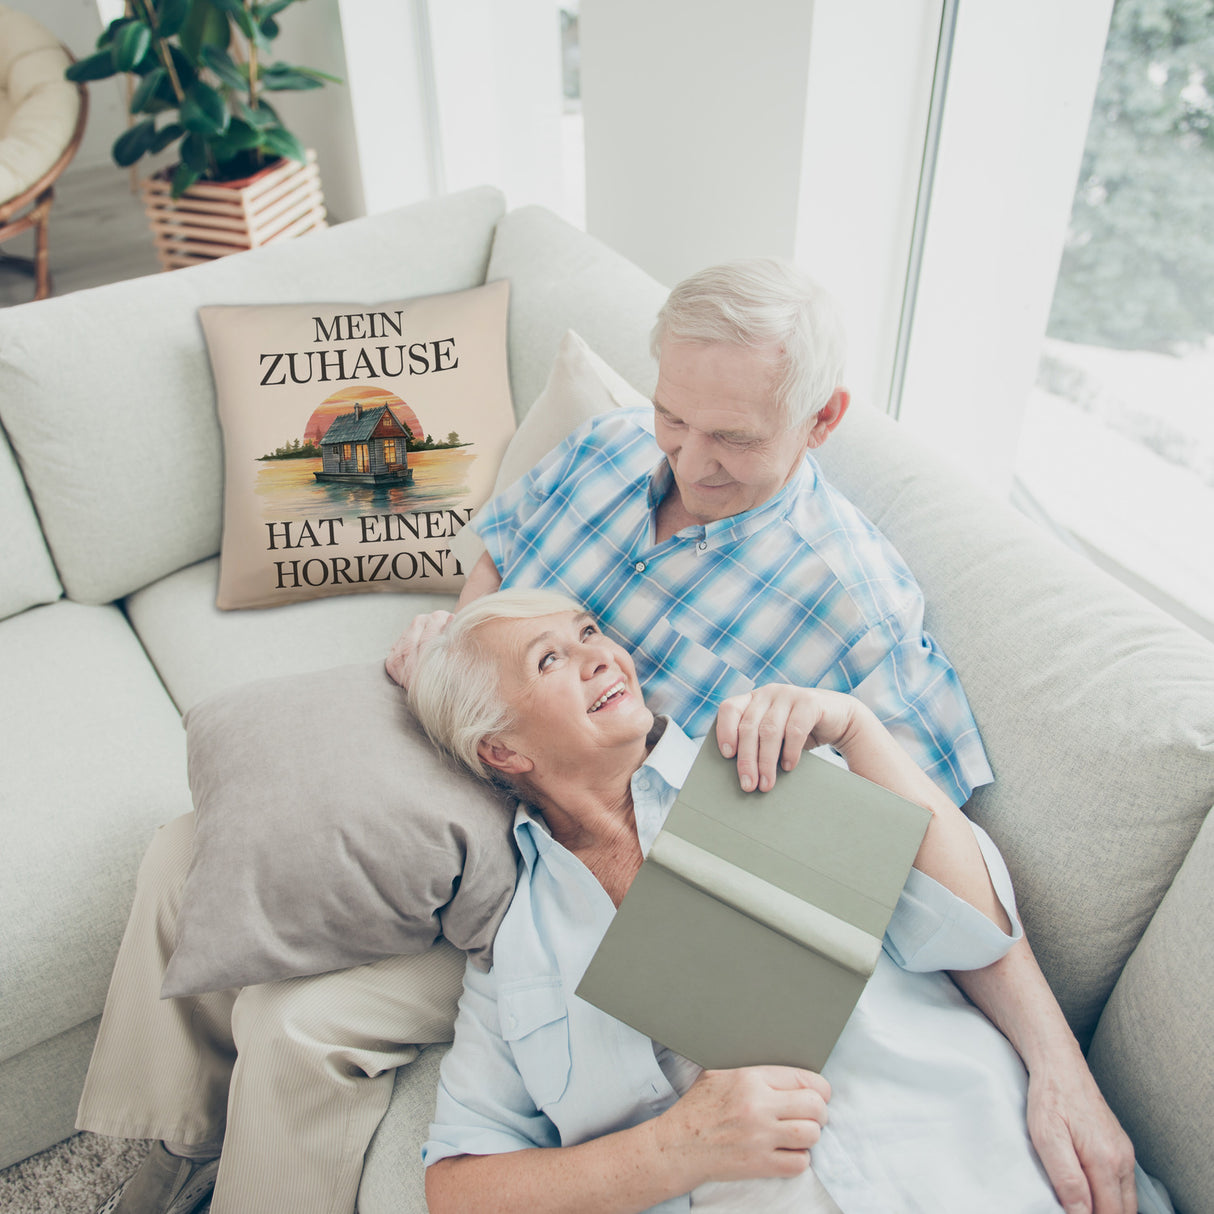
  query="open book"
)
[{"x": 755, "y": 921}]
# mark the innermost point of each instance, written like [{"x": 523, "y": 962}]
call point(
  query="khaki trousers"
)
[{"x": 293, "y": 1076}]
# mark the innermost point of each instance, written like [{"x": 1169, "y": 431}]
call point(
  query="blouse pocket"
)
[{"x": 535, "y": 1023}]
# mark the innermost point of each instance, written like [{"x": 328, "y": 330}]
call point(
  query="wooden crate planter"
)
[{"x": 215, "y": 218}]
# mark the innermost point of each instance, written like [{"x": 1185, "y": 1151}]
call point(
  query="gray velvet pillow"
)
[{"x": 329, "y": 833}]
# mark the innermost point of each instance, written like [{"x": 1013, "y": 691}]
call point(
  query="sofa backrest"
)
[
  {"x": 107, "y": 394},
  {"x": 561, "y": 279},
  {"x": 28, "y": 577}
]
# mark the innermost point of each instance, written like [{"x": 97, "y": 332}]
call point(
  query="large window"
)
[{"x": 1117, "y": 444}]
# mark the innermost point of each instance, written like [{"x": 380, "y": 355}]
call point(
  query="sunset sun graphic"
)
[{"x": 370, "y": 398}]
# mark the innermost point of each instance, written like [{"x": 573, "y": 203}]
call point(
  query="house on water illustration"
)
[{"x": 366, "y": 447}]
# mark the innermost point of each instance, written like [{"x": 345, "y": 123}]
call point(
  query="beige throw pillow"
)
[
  {"x": 580, "y": 386},
  {"x": 358, "y": 441}
]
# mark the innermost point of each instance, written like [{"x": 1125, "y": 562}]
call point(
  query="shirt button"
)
[
  {"x": 639, "y": 566},
  {"x": 702, "y": 545}
]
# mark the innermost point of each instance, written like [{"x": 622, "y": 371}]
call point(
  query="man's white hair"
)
[
  {"x": 455, "y": 692},
  {"x": 762, "y": 303}
]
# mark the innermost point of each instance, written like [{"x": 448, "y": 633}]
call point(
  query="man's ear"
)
[
  {"x": 495, "y": 754},
  {"x": 829, "y": 416}
]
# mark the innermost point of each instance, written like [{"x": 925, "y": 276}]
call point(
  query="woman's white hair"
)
[
  {"x": 455, "y": 692},
  {"x": 763, "y": 303}
]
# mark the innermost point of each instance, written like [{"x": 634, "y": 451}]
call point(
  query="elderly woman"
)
[{"x": 547, "y": 1103}]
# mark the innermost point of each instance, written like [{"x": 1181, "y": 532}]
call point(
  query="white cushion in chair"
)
[{"x": 38, "y": 106}]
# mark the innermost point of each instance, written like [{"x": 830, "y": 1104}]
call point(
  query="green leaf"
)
[
  {"x": 95, "y": 67},
  {"x": 261, "y": 118},
  {"x": 111, "y": 31},
  {"x": 241, "y": 137},
  {"x": 166, "y": 135},
  {"x": 194, "y": 153},
  {"x": 183, "y": 178},
  {"x": 279, "y": 77},
  {"x": 132, "y": 144},
  {"x": 131, "y": 44},
  {"x": 281, "y": 142},
  {"x": 225, "y": 67},
  {"x": 205, "y": 26},
  {"x": 187, "y": 73},
  {"x": 268, "y": 29},
  {"x": 144, "y": 97},
  {"x": 171, "y": 16},
  {"x": 203, "y": 111}
]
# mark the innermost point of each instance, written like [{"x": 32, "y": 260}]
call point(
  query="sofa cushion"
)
[
  {"x": 199, "y": 650},
  {"x": 392, "y": 481},
  {"x": 1097, "y": 711},
  {"x": 562, "y": 279},
  {"x": 136, "y": 492},
  {"x": 328, "y": 833},
  {"x": 29, "y": 574},
  {"x": 1152, "y": 1054},
  {"x": 580, "y": 386},
  {"x": 93, "y": 760},
  {"x": 393, "y": 1179}
]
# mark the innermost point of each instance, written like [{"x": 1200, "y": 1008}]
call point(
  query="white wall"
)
[
  {"x": 870, "y": 82},
  {"x": 694, "y": 125}
]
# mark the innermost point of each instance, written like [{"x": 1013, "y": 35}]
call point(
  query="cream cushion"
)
[{"x": 38, "y": 106}]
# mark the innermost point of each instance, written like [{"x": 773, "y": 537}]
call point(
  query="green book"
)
[{"x": 757, "y": 918}]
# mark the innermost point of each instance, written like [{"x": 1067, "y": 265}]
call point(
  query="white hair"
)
[
  {"x": 762, "y": 303},
  {"x": 455, "y": 692}
]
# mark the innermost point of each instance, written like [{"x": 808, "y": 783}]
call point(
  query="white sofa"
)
[{"x": 1097, "y": 711}]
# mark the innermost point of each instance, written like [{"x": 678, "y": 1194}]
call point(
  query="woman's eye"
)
[
  {"x": 547, "y": 660},
  {"x": 590, "y": 630}
]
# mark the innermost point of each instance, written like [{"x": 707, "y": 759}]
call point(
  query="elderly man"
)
[{"x": 704, "y": 539}]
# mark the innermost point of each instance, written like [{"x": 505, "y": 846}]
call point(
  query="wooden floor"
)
[{"x": 98, "y": 234}]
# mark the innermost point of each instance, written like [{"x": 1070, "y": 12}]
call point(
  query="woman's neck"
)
[{"x": 591, "y": 814}]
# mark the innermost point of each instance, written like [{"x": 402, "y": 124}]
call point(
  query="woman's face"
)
[{"x": 574, "y": 693}]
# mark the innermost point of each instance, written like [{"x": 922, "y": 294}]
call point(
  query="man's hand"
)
[
  {"x": 400, "y": 662},
  {"x": 1087, "y": 1155},
  {"x": 769, "y": 727}
]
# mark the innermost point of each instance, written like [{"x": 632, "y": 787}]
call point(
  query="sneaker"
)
[{"x": 164, "y": 1184}]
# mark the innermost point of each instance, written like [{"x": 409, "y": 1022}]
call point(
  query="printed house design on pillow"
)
[{"x": 358, "y": 442}]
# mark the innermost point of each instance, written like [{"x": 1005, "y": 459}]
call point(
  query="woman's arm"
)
[
  {"x": 769, "y": 728},
  {"x": 730, "y": 1125}
]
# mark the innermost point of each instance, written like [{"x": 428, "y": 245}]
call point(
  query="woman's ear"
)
[{"x": 496, "y": 754}]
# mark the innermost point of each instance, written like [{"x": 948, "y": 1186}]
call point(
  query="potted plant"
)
[{"x": 201, "y": 71}]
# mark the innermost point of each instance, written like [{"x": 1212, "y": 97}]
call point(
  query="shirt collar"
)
[
  {"x": 655, "y": 784},
  {"x": 737, "y": 526}
]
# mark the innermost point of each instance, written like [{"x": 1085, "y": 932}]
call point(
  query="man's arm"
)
[
  {"x": 1087, "y": 1155},
  {"x": 484, "y": 579}
]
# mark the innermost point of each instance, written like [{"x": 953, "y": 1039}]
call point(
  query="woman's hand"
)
[
  {"x": 401, "y": 661},
  {"x": 769, "y": 728},
  {"x": 750, "y": 1122}
]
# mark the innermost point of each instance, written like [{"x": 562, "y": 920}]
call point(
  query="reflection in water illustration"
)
[{"x": 291, "y": 491}]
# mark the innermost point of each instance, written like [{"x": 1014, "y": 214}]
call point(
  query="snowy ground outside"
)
[{"x": 1092, "y": 459}]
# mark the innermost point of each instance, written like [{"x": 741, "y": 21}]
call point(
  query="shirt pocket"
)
[
  {"x": 535, "y": 1024},
  {"x": 681, "y": 671}
]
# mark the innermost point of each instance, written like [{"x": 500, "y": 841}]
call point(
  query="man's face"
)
[{"x": 716, "y": 420}]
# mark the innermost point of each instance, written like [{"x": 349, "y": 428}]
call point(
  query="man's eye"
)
[
  {"x": 547, "y": 660},
  {"x": 590, "y": 630}
]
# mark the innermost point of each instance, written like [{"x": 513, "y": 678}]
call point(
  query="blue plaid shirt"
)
[{"x": 802, "y": 589}]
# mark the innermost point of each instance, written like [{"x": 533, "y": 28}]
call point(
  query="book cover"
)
[{"x": 755, "y": 921}]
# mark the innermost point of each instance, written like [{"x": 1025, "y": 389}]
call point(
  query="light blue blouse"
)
[{"x": 928, "y": 1104}]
